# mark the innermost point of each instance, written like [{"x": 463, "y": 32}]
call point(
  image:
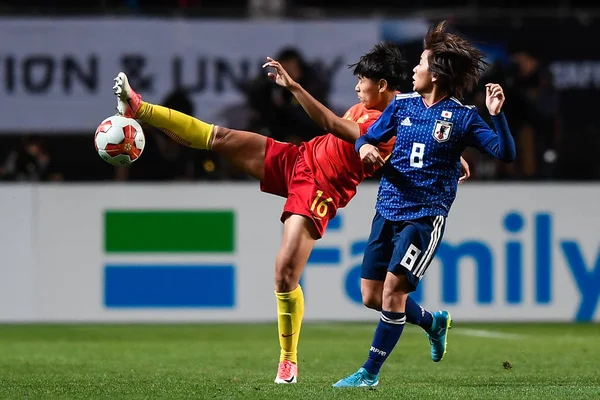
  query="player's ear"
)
[{"x": 382, "y": 85}]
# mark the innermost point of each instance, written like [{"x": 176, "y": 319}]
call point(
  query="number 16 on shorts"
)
[{"x": 320, "y": 206}]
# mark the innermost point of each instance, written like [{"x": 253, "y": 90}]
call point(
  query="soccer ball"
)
[{"x": 119, "y": 140}]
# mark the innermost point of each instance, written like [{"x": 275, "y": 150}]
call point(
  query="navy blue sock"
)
[
  {"x": 386, "y": 336},
  {"x": 417, "y": 315}
]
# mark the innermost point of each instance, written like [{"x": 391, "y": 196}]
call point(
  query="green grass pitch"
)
[{"x": 484, "y": 361}]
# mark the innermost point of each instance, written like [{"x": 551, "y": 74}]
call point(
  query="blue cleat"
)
[
  {"x": 438, "y": 336},
  {"x": 360, "y": 378}
]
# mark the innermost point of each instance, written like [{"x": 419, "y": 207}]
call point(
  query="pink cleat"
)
[{"x": 287, "y": 372}]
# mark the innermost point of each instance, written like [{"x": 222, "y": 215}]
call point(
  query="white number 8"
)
[
  {"x": 416, "y": 155},
  {"x": 411, "y": 255}
]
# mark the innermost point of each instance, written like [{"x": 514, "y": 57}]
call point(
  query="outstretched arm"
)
[
  {"x": 343, "y": 128},
  {"x": 498, "y": 143}
]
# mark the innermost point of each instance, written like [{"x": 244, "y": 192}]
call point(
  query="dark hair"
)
[
  {"x": 384, "y": 61},
  {"x": 456, "y": 63},
  {"x": 290, "y": 53},
  {"x": 179, "y": 100}
]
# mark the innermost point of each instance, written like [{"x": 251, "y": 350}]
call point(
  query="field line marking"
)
[{"x": 487, "y": 334}]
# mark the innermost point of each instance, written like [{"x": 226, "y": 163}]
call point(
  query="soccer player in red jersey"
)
[{"x": 317, "y": 177}]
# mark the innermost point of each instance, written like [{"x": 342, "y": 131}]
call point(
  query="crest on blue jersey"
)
[{"x": 442, "y": 131}]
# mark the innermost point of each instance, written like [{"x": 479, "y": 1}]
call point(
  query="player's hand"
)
[
  {"x": 465, "y": 171},
  {"x": 280, "y": 76},
  {"x": 369, "y": 154},
  {"x": 494, "y": 98}
]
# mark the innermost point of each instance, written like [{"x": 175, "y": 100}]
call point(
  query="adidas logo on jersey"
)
[{"x": 406, "y": 122}]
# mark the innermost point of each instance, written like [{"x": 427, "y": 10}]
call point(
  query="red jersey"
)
[{"x": 336, "y": 164}]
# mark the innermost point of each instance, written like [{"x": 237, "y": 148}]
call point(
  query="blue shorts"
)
[{"x": 402, "y": 247}]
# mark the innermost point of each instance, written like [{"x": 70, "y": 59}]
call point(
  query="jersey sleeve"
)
[
  {"x": 381, "y": 130},
  {"x": 498, "y": 143},
  {"x": 365, "y": 125}
]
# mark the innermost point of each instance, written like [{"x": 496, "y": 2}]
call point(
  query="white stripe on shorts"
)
[{"x": 436, "y": 235}]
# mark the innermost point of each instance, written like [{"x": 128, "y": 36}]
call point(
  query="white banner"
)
[
  {"x": 17, "y": 224},
  {"x": 510, "y": 253},
  {"x": 56, "y": 74}
]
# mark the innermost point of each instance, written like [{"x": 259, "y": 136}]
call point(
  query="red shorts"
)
[{"x": 287, "y": 175}]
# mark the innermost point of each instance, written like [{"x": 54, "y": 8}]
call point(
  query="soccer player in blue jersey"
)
[{"x": 418, "y": 186}]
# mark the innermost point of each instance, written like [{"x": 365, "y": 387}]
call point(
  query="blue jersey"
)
[{"x": 420, "y": 177}]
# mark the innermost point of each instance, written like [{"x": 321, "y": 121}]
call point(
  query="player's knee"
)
[
  {"x": 371, "y": 291},
  {"x": 371, "y": 301},
  {"x": 371, "y": 298}
]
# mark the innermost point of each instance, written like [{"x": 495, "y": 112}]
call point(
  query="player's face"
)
[
  {"x": 422, "y": 78},
  {"x": 368, "y": 91}
]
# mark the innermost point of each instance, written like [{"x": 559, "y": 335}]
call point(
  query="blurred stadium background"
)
[{"x": 82, "y": 241}]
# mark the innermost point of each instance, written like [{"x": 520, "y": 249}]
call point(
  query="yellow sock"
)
[
  {"x": 290, "y": 311},
  {"x": 180, "y": 127}
]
